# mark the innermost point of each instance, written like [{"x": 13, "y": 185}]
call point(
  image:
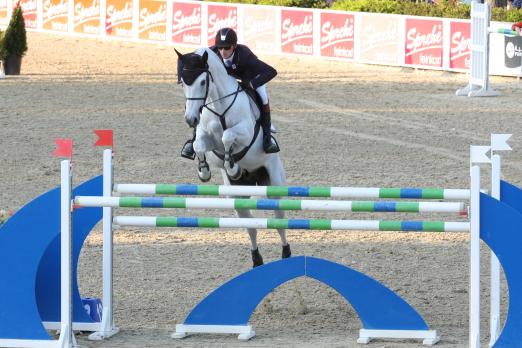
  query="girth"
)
[{"x": 239, "y": 156}]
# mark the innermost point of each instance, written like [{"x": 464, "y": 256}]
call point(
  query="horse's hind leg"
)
[
  {"x": 257, "y": 259},
  {"x": 277, "y": 177}
]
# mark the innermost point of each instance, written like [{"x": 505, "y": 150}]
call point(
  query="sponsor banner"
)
[
  {"x": 297, "y": 32},
  {"x": 118, "y": 18},
  {"x": 460, "y": 53},
  {"x": 424, "y": 42},
  {"x": 379, "y": 43},
  {"x": 55, "y": 15},
  {"x": 512, "y": 51},
  {"x": 3, "y": 13},
  {"x": 337, "y": 35},
  {"x": 220, "y": 17},
  {"x": 259, "y": 28},
  {"x": 186, "y": 23},
  {"x": 153, "y": 20},
  {"x": 87, "y": 16},
  {"x": 29, "y": 10}
]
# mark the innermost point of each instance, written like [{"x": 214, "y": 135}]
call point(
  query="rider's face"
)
[{"x": 226, "y": 52}]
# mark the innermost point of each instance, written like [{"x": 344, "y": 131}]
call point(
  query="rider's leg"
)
[
  {"x": 188, "y": 148},
  {"x": 268, "y": 145}
]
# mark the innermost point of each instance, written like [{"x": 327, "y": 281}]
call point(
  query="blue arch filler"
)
[
  {"x": 377, "y": 307},
  {"x": 30, "y": 263}
]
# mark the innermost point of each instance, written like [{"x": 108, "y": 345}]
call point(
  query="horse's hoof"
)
[
  {"x": 257, "y": 259},
  {"x": 204, "y": 176},
  {"x": 286, "y": 252},
  {"x": 235, "y": 174}
]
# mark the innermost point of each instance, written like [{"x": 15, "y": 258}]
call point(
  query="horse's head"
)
[{"x": 196, "y": 79}]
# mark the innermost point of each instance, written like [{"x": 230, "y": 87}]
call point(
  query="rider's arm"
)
[{"x": 261, "y": 72}]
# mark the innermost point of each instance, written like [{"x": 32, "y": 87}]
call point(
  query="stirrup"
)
[
  {"x": 272, "y": 146},
  {"x": 188, "y": 150}
]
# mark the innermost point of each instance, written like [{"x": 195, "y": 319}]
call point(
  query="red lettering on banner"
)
[
  {"x": 337, "y": 35},
  {"x": 423, "y": 42},
  {"x": 297, "y": 32},
  {"x": 460, "y": 45},
  {"x": 186, "y": 23},
  {"x": 220, "y": 17},
  {"x": 29, "y": 10}
]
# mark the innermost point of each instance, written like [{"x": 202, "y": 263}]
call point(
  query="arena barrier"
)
[
  {"x": 211, "y": 314},
  {"x": 478, "y": 85}
]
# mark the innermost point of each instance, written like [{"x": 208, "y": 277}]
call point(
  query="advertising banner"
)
[
  {"x": 118, "y": 18},
  {"x": 55, "y": 15},
  {"x": 29, "y": 10},
  {"x": 337, "y": 35},
  {"x": 220, "y": 17},
  {"x": 297, "y": 32},
  {"x": 424, "y": 38},
  {"x": 505, "y": 52},
  {"x": 459, "y": 51},
  {"x": 87, "y": 16},
  {"x": 259, "y": 29},
  {"x": 186, "y": 23},
  {"x": 4, "y": 20},
  {"x": 379, "y": 42},
  {"x": 153, "y": 20}
]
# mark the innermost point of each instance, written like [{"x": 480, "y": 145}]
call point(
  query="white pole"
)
[
  {"x": 66, "y": 339},
  {"x": 494, "y": 326},
  {"x": 474, "y": 292},
  {"x": 107, "y": 327}
]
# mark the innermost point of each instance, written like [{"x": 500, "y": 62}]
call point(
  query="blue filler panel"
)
[
  {"x": 30, "y": 263},
  {"x": 501, "y": 229},
  {"x": 234, "y": 302}
]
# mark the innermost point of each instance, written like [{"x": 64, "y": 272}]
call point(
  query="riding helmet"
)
[{"x": 226, "y": 37}]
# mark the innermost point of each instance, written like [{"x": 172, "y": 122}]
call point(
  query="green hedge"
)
[{"x": 448, "y": 9}]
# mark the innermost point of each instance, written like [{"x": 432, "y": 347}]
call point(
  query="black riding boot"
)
[
  {"x": 188, "y": 149},
  {"x": 268, "y": 145}
]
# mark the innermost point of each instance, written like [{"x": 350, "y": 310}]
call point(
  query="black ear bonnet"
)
[{"x": 193, "y": 65}]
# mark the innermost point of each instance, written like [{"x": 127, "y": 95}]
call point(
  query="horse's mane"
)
[{"x": 215, "y": 63}]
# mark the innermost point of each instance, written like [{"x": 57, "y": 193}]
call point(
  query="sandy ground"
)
[{"x": 340, "y": 124}]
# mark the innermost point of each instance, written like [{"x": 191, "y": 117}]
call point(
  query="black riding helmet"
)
[{"x": 226, "y": 37}]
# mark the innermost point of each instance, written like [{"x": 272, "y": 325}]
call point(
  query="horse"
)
[{"x": 227, "y": 133}]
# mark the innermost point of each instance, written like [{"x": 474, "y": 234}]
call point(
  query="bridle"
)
[{"x": 208, "y": 79}]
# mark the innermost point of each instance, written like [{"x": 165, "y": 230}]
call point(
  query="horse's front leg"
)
[
  {"x": 201, "y": 146},
  {"x": 232, "y": 168}
]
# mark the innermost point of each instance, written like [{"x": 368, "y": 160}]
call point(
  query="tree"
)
[{"x": 14, "y": 42}]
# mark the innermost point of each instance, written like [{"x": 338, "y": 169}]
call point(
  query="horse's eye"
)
[{"x": 203, "y": 83}]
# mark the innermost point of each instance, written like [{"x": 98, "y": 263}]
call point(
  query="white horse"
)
[{"x": 227, "y": 133}]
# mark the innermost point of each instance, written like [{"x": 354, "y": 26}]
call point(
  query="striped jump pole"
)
[
  {"x": 503, "y": 31},
  {"x": 293, "y": 191},
  {"x": 305, "y": 224},
  {"x": 270, "y": 204}
]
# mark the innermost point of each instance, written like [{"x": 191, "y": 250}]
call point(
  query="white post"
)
[
  {"x": 494, "y": 263},
  {"x": 66, "y": 339},
  {"x": 474, "y": 291},
  {"x": 107, "y": 328},
  {"x": 498, "y": 143}
]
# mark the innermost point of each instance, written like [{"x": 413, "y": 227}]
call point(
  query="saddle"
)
[{"x": 254, "y": 97}]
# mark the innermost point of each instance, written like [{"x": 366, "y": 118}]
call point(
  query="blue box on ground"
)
[{"x": 94, "y": 308}]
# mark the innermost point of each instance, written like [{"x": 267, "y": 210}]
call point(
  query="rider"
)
[{"x": 241, "y": 63}]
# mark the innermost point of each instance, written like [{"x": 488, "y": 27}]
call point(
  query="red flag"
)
[
  {"x": 104, "y": 137},
  {"x": 63, "y": 147}
]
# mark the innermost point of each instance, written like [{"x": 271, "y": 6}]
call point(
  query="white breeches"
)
[{"x": 261, "y": 90}]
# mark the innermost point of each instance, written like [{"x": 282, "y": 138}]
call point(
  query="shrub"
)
[{"x": 14, "y": 42}]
